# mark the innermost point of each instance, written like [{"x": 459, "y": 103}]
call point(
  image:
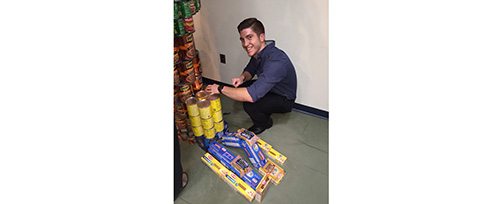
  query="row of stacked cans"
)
[
  {"x": 182, "y": 92},
  {"x": 201, "y": 114},
  {"x": 187, "y": 72},
  {"x": 205, "y": 114},
  {"x": 187, "y": 62},
  {"x": 183, "y": 16},
  {"x": 187, "y": 81},
  {"x": 181, "y": 119}
]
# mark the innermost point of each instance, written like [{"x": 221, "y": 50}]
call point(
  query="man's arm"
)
[
  {"x": 245, "y": 76},
  {"x": 237, "y": 94}
]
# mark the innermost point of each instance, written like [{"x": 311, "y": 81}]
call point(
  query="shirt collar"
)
[{"x": 266, "y": 50}]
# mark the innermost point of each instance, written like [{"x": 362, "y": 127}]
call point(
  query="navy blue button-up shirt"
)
[{"x": 275, "y": 73}]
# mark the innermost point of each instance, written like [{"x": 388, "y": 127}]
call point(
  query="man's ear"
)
[{"x": 261, "y": 37}]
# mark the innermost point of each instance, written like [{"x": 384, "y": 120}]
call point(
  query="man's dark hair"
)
[{"x": 253, "y": 23}]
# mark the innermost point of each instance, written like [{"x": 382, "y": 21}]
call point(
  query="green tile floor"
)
[{"x": 302, "y": 138}]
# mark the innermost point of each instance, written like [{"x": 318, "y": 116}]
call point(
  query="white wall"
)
[{"x": 299, "y": 27}]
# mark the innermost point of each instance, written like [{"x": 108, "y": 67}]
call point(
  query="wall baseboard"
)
[{"x": 298, "y": 107}]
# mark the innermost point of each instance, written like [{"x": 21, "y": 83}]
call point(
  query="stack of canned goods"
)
[
  {"x": 207, "y": 122},
  {"x": 181, "y": 121},
  {"x": 183, "y": 16},
  {"x": 194, "y": 115},
  {"x": 205, "y": 114},
  {"x": 197, "y": 85},
  {"x": 217, "y": 113},
  {"x": 182, "y": 92},
  {"x": 187, "y": 71},
  {"x": 187, "y": 62}
]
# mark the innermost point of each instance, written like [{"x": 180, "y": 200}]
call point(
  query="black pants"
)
[
  {"x": 261, "y": 110},
  {"x": 178, "y": 169}
]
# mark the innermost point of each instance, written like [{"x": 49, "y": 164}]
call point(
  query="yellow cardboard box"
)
[
  {"x": 229, "y": 177},
  {"x": 275, "y": 172},
  {"x": 261, "y": 187},
  {"x": 271, "y": 153}
]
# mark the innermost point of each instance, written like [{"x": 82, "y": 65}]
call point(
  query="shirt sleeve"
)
[
  {"x": 251, "y": 67},
  {"x": 274, "y": 71}
]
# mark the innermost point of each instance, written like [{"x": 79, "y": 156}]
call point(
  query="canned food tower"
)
[
  {"x": 181, "y": 120},
  {"x": 187, "y": 69},
  {"x": 194, "y": 115},
  {"x": 205, "y": 114},
  {"x": 217, "y": 113}
]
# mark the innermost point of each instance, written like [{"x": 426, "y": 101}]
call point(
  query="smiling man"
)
[{"x": 274, "y": 91}]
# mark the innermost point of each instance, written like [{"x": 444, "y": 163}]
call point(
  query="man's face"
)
[{"x": 251, "y": 42}]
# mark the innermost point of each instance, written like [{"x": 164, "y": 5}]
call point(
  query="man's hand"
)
[
  {"x": 237, "y": 81},
  {"x": 212, "y": 88},
  {"x": 237, "y": 94}
]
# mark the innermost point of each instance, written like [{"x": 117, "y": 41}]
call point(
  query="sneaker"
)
[{"x": 257, "y": 129}]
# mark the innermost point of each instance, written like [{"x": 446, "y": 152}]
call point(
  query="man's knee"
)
[{"x": 247, "y": 106}]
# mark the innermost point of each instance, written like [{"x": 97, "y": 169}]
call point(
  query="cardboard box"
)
[
  {"x": 264, "y": 146},
  {"x": 275, "y": 172},
  {"x": 231, "y": 141},
  {"x": 254, "y": 153},
  {"x": 229, "y": 177},
  {"x": 261, "y": 188},
  {"x": 271, "y": 153},
  {"x": 236, "y": 164},
  {"x": 275, "y": 155}
]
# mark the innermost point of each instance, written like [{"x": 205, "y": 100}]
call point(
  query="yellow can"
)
[
  {"x": 197, "y": 130},
  {"x": 204, "y": 108},
  {"x": 202, "y": 95},
  {"x": 219, "y": 126},
  {"x": 191, "y": 105},
  {"x": 215, "y": 102},
  {"x": 217, "y": 115},
  {"x": 195, "y": 120},
  {"x": 210, "y": 133},
  {"x": 207, "y": 123}
]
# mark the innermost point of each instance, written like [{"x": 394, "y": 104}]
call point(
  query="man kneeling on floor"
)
[{"x": 274, "y": 91}]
